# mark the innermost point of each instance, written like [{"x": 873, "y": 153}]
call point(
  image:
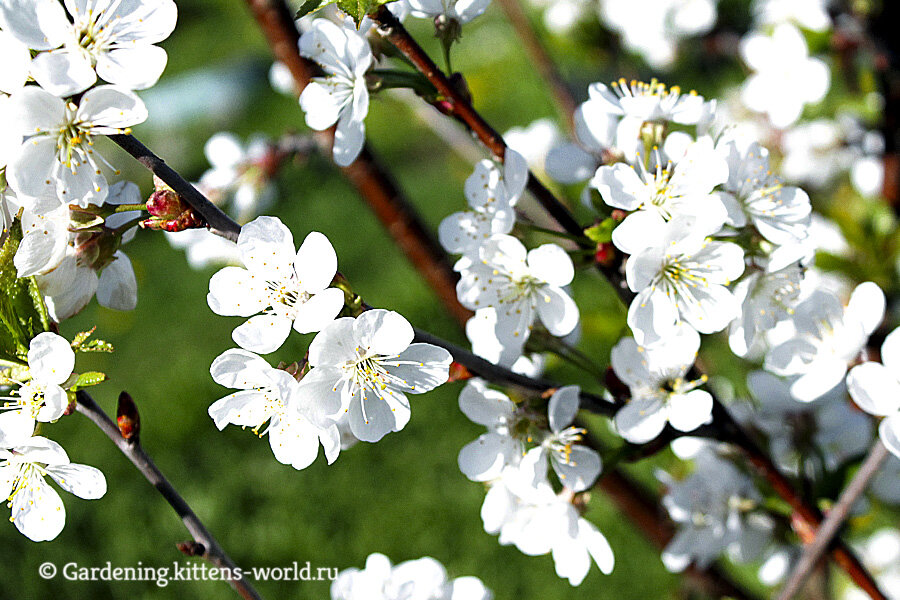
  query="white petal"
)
[
  {"x": 484, "y": 458},
  {"x": 485, "y": 406},
  {"x": 889, "y": 431},
  {"x": 50, "y": 358},
  {"x": 110, "y": 109},
  {"x": 31, "y": 172},
  {"x": 55, "y": 403},
  {"x": 822, "y": 377},
  {"x": 17, "y": 60},
  {"x": 422, "y": 368},
  {"x": 581, "y": 470},
  {"x": 638, "y": 231},
  {"x": 620, "y": 186},
  {"x": 267, "y": 247},
  {"x": 234, "y": 291},
  {"x": 689, "y": 411},
  {"x": 16, "y": 426},
  {"x": 866, "y": 305},
  {"x": 82, "y": 480},
  {"x": 874, "y": 388},
  {"x": 349, "y": 138},
  {"x": 39, "y": 24},
  {"x": 563, "y": 407},
  {"x": 240, "y": 369},
  {"x": 134, "y": 67},
  {"x": 382, "y": 332},
  {"x": 551, "y": 264},
  {"x": 321, "y": 106},
  {"x": 372, "y": 416},
  {"x": 38, "y": 511},
  {"x": 651, "y": 316},
  {"x": 316, "y": 263},
  {"x": 295, "y": 442},
  {"x": 320, "y": 395},
  {"x": 63, "y": 73},
  {"x": 334, "y": 345},
  {"x": 569, "y": 163},
  {"x": 558, "y": 312},
  {"x": 890, "y": 351},
  {"x": 263, "y": 333},
  {"x": 246, "y": 408},
  {"x": 320, "y": 310},
  {"x": 117, "y": 287},
  {"x": 641, "y": 420}
]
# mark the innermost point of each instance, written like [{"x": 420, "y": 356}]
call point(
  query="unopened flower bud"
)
[
  {"x": 458, "y": 372},
  {"x": 127, "y": 417}
]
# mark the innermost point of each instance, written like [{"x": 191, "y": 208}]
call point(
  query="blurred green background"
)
[{"x": 403, "y": 496}]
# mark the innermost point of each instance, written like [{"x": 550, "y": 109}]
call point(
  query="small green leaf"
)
[
  {"x": 311, "y": 6},
  {"x": 601, "y": 233},
  {"x": 87, "y": 380},
  {"x": 96, "y": 346},
  {"x": 23, "y": 313},
  {"x": 360, "y": 8}
]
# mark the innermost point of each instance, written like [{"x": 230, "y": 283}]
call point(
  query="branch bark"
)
[
  {"x": 833, "y": 522},
  {"x": 133, "y": 450}
]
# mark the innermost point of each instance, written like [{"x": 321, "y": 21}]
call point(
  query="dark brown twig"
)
[
  {"x": 133, "y": 450},
  {"x": 219, "y": 223}
]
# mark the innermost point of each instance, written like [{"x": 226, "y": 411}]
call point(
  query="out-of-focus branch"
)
[
  {"x": 541, "y": 60},
  {"x": 832, "y": 523},
  {"x": 370, "y": 179},
  {"x": 205, "y": 545}
]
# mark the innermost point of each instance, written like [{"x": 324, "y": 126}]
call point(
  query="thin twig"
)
[
  {"x": 219, "y": 223},
  {"x": 833, "y": 522},
  {"x": 133, "y": 450},
  {"x": 541, "y": 60}
]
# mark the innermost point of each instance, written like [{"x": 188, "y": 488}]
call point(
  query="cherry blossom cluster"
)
[
  {"x": 50, "y": 169},
  {"x": 354, "y": 382},
  {"x": 37, "y": 394},
  {"x": 424, "y": 578}
]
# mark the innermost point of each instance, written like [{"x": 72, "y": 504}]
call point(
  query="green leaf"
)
[
  {"x": 601, "y": 233},
  {"x": 360, "y": 8},
  {"x": 311, "y": 6},
  {"x": 80, "y": 343},
  {"x": 87, "y": 380},
  {"x": 23, "y": 313}
]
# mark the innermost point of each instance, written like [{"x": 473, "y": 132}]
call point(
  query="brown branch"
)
[
  {"x": 833, "y": 522},
  {"x": 565, "y": 103},
  {"x": 370, "y": 179},
  {"x": 132, "y": 449}
]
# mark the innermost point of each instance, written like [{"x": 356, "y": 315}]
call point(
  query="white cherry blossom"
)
[
  {"x": 341, "y": 96},
  {"x": 753, "y": 194},
  {"x": 875, "y": 387},
  {"x": 290, "y": 288},
  {"x": 683, "y": 278},
  {"x": 112, "y": 39},
  {"x": 485, "y": 458},
  {"x": 828, "y": 338},
  {"x": 41, "y": 397},
  {"x": 657, "y": 196},
  {"x": 461, "y": 11},
  {"x": 366, "y": 366},
  {"x": 715, "y": 512},
  {"x": 295, "y": 427},
  {"x": 491, "y": 194},
  {"x": 57, "y": 163},
  {"x": 522, "y": 285},
  {"x": 37, "y": 509},
  {"x": 421, "y": 579},
  {"x": 576, "y": 465},
  {"x": 766, "y": 300},
  {"x": 785, "y": 77},
  {"x": 659, "y": 392}
]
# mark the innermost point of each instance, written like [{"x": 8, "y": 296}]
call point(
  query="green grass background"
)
[{"x": 403, "y": 496}]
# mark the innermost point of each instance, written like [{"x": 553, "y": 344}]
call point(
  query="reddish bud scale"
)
[
  {"x": 458, "y": 372},
  {"x": 605, "y": 254},
  {"x": 127, "y": 417}
]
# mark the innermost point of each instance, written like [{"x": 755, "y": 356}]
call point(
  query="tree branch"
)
[
  {"x": 219, "y": 223},
  {"x": 132, "y": 449},
  {"x": 832, "y": 523}
]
